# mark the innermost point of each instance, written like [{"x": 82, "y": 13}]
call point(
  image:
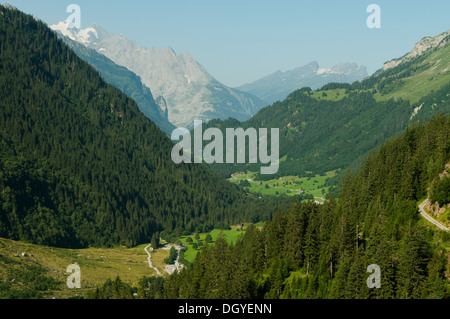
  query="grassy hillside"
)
[
  {"x": 41, "y": 273},
  {"x": 36, "y": 271},
  {"x": 418, "y": 78},
  {"x": 411, "y": 80}
]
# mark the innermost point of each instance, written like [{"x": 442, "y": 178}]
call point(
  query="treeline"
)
[
  {"x": 323, "y": 251},
  {"x": 80, "y": 165}
]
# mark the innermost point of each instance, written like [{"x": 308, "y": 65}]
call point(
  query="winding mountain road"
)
[
  {"x": 429, "y": 218},
  {"x": 149, "y": 260}
]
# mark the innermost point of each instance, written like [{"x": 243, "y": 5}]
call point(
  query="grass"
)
[
  {"x": 289, "y": 185},
  {"x": 433, "y": 76},
  {"x": 444, "y": 218},
  {"x": 420, "y": 84},
  {"x": 97, "y": 264}
]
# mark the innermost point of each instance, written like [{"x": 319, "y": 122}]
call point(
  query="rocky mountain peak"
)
[
  {"x": 421, "y": 47},
  {"x": 189, "y": 91}
]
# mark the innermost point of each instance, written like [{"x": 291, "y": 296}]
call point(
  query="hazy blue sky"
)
[{"x": 239, "y": 41}]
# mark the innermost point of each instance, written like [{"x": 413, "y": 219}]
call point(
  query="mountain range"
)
[
  {"x": 189, "y": 91},
  {"x": 277, "y": 86}
]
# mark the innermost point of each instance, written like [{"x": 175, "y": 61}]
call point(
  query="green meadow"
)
[{"x": 288, "y": 185}]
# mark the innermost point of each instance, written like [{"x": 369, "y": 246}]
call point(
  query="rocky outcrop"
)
[{"x": 422, "y": 46}]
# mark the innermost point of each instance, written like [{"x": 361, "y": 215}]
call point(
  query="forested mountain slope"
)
[
  {"x": 127, "y": 82},
  {"x": 80, "y": 165}
]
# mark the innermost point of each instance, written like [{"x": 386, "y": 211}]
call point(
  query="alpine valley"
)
[{"x": 87, "y": 180}]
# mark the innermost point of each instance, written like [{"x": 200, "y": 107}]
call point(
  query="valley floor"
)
[
  {"x": 20, "y": 262},
  {"x": 24, "y": 265}
]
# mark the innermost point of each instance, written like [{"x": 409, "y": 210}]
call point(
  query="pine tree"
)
[{"x": 412, "y": 266}]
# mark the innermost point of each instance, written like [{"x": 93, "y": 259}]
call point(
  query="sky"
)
[{"x": 239, "y": 41}]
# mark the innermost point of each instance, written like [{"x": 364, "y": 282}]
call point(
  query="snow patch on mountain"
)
[
  {"x": 279, "y": 85},
  {"x": 85, "y": 36}
]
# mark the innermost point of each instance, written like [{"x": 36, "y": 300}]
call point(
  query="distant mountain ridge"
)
[
  {"x": 189, "y": 90},
  {"x": 277, "y": 86}
]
